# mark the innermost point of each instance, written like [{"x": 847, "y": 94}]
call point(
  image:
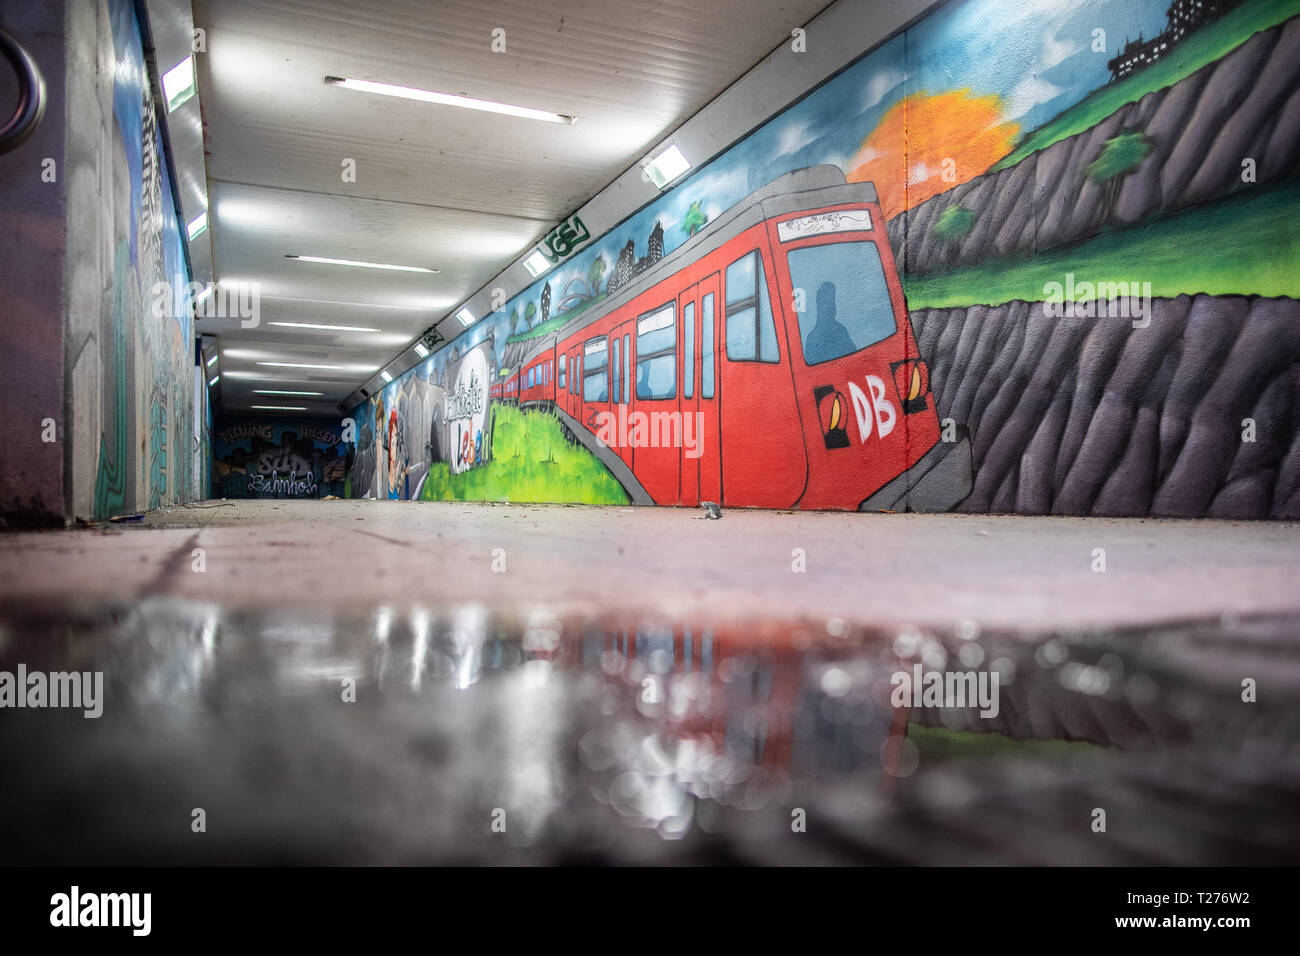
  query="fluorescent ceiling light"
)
[
  {"x": 667, "y": 166},
  {"x": 284, "y": 391},
  {"x": 466, "y": 317},
  {"x": 178, "y": 83},
  {"x": 329, "y": 328},
  {"x": 421, "y": 350},
  {"x": 211, "y": 360},
  {"x": 281, "y": 408},
  {"x": 536, "y": 264},
  {"x": 360, "y": 265},
  {"x": 448, "y": 99},
  {"x": 385, "y": 376},
  {"x": 197, "y": 225},
  {"x": 214, "y": 380},
  {"x": 336, "y": 368}
]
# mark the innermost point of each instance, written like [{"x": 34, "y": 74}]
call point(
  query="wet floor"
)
[{"x": 414, "y": 736}]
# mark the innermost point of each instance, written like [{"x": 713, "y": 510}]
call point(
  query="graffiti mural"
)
[
  {"x": 1019, "y": 259},
  {"x": 278, "y": 459},
  {"x": 144, "y": 354}
]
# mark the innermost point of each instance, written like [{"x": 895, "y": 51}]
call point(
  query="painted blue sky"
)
[{"x": 1035, "y": 54}]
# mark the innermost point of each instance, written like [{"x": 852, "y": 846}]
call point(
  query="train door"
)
[
  {"x": 620, "y": 343},
  {"x": 710, "y": 426},
  {"x": 764, "y": 462},
  {"x": 654, "y": 427},
  {"x": 699, "y": 404},
  {"x": 595, "y": 382},
  {"x": 562, "y": 380},
  {"x": 577, "y": 382}
]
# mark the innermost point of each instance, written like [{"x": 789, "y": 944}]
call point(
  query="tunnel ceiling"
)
[{"x": 451, "y": 189}]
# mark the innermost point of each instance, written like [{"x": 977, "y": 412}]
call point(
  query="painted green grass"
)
[
  {"x": 939, "y": 743},
  {"x": 1200, "y": 48},
  {"x": 532, "y": 461},
  {"x": 1245, "y": 244}
]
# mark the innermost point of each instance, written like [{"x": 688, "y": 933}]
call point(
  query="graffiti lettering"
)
[
  {"x": 275, "y": 486},
  {"x": 240, "y": 432},
  {"x": 564, "y": 238},
  {"x": 467, "y": 399},
  {"x": 879, "y": 407}
]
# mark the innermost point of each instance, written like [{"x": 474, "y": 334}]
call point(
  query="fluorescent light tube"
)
[
  {"x": 360, "y": 265},
  {"x": 327, "y": 328},
  {"x": 447, "y": 99},
  {"x": 336, "y": 368}
]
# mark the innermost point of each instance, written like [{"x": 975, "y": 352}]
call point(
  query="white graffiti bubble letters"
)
[{"x": 467, "y": 413}]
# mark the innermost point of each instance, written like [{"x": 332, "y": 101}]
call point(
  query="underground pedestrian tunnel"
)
[{"x": 746, "y": 433}]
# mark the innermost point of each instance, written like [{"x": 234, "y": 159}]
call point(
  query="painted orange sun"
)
[{"x": 929, "y": 142}]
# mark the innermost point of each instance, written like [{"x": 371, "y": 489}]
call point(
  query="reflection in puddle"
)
[{"x": 414, "y": 735}]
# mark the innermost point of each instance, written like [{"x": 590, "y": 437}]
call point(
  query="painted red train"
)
[{"x": 767, "y": 362}]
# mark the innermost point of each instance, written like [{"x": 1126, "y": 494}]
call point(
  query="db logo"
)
[{"x": 877, "y": 407}]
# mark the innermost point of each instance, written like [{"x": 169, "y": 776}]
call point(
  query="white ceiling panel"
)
[{"x": 450, "y": 189}]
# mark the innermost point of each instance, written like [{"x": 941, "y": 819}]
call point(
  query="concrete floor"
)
[
  {"x": 639, "y": 686},
  {"x": 1000, "y": 571}
]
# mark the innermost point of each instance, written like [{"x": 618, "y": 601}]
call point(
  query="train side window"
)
[
  {"x": 706, "y": 347},
  {"x": 595, "y": 382},
  {"x": 564, "y": 357},
  {"x": 577, "y": 371},
  {"x": 688, "y": 342},
  {"x": 751, "y": 333},
  {"x": 656, "y": 353}
]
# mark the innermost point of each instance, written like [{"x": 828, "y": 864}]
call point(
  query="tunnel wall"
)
[
  {"x": 131, "y": 350},
  {"x": 1091, "y": 210},
  {"x": 278, "y": 458},
  {"x": 31, "y": 291},
  {"x": 121, "y": 381}
]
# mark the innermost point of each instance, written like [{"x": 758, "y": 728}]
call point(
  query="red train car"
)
[{"x": 767, "y": 362}]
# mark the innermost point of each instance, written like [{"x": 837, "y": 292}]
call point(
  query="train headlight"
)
[
  {"x": 912, "y": 379},
  {"x": 830, "y": 409}
]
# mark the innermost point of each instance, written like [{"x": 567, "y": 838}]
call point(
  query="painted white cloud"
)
[
  {"x": 1056, "y": 50},
  {"x": 1028, "y": 93},
  {"x": 792, "y": 139},
  {"x": 881, "y": 85}
]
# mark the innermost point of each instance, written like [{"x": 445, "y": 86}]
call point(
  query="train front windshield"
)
[{"x": 846, "y": 304}]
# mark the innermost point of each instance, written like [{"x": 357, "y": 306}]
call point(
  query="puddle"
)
[{"x": 462, "y": 736}]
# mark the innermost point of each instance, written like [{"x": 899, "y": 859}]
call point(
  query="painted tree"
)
[
  {"x": 596, "y": 273},
  {"x": 530, "y": 311},
  {"x": 694, "y": 220},
  {"x": 515, "y": 325}
]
